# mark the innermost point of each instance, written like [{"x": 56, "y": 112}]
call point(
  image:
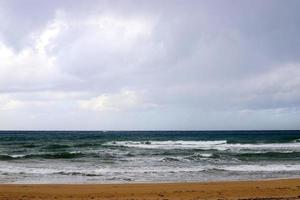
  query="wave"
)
[
  {"x": 171, "y": 159},
  {"x": 184, "y": 150},
  {"x": 179, "y": 144},
  {"x": 138, "y": 171},
  {"x": 227, "y": 157},
  {"x": 62, "y": 155},
  {"x": 30, "y": 145},
  {"x": 56, "y": 146},
  {"x": 104, "y": 156},
  {"x": 87, "y": 144},
  {"x": 6, "y": 157},
  {"x": 201, "y": 156},
  {"x": 195, "y": 156},
  {"x": 274, "y": 146},
  {"x": 77, "y": 173},
  {"x": 296, "y": 140},
  {"x": 262, "y": 168},
  {"x": 288, "y": 155},
  {"x": 219, "y": 145}
]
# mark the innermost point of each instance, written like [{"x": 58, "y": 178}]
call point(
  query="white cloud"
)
[
  {"x": 7, "y": 103},
  {"x": 100, "y": 48},
  {"x": 44, "y": 40},
  {"x": 113, "y": 26},
  {"x": 33, "y": 67},
  {"x": 277, "y": 88},
  {"x": 124, "y": 100}
]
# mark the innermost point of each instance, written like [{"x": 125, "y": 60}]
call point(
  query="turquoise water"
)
[{"x": 147, "y": 156}]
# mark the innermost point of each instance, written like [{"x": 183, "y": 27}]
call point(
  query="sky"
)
[{"x": 149, "y": 65}]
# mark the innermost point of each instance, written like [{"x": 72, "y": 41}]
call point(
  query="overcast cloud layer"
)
[{"x": 149, "y": 64}]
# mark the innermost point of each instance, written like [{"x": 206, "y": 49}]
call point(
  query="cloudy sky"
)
[{"x": 149, "y": 64}]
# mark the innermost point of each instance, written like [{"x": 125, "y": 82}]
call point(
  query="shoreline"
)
[
  {"x": 253, "y": 189},
  {"x": 161, "y": 182}
]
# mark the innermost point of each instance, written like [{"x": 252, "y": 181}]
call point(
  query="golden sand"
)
[{"x": 268, "y": 189}]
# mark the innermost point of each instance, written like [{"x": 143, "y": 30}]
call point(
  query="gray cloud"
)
[{"x": 154, "y": 65}]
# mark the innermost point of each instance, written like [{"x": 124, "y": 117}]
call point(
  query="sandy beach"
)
[{"x": 269, "y": 189}]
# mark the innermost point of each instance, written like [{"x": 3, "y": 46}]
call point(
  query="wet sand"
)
[{"x": 254, "y": 190}]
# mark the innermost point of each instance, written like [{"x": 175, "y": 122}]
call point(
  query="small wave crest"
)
[
  {"x": 76, "y": 173},
  {"x": 297, "y": 140},
  {"x": 193, "y": 157},
  {"x": 61, "y": 155},
  {"x": 179, "y": 144},
  {"x": 201, "y": 156}
]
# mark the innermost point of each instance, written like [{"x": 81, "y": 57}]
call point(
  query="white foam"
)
[
  {"x": 281, "y": 147},
  {"x": 262, "y": 168},
  {"x": 200, "y": 155},
  {"x": 220, "y": 145},
  {"x": 206, "y": 155},
  {"x": 54, "y": 169},
  {"x": 28, "y": 170},
  {"x": 17, "y": 156},
  {"x": 149, "y": 169},
  {"x": 178, "y": 144}
]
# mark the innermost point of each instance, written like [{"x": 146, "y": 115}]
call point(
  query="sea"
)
[{"x": 147, "y": 156}]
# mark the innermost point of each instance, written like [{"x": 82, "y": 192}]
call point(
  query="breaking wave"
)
[{"x": 220, "y": 145}]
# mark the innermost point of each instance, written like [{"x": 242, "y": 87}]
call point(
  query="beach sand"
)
[{"x": 269, "y": 189}]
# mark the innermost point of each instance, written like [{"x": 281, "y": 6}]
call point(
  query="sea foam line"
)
[
  {"x": 168, "y": 144},
  {"x": 220, "y": 145}
]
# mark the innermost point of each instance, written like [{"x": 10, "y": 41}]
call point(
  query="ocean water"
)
[{"x": 147, "y": 156}]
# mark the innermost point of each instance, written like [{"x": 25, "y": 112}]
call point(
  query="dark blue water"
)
[{"x": 147, "y": 156}]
